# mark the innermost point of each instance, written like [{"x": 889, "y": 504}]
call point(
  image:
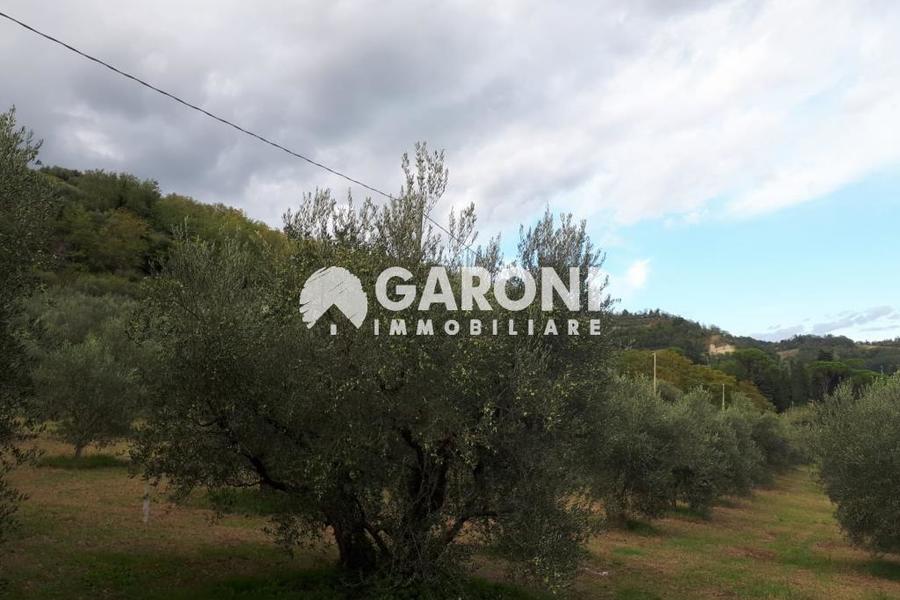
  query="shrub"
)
[
  {"x": 799, "y": 427},
  {"x": 723, "y": 452}
]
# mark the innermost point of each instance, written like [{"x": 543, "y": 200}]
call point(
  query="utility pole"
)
[
  {"x": 654, "y": 373},
  {"x": 723, "y": 396}
]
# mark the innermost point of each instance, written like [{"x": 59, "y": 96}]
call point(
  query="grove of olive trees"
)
[{"x": 412, "y": 454}]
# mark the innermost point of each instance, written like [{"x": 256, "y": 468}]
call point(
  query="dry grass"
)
[{"x": 82, "y": 535}]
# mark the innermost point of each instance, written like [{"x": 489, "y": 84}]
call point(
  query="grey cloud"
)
[
  {"x": 780, "y": 333},
  {"x": 880, "y": 329},
  {"x": 358, "y": 87},
  {"x": 853, "y": 319},
  {"x": 602, "y": 108},
  {"x": 875, "y": 319}
]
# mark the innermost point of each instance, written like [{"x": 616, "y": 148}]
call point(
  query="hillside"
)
[{"x": 112, "y": 229}]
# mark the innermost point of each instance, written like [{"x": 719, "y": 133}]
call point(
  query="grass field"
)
[{"x": 82, "y": 536}]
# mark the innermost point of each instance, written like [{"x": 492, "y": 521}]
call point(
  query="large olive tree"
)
[{"x": 411, "y": 450}]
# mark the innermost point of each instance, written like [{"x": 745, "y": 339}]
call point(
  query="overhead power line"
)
[{"x": 221, "y": 120}]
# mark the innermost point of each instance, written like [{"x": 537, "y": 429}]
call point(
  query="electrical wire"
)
[{"x": 221, "y": 120}]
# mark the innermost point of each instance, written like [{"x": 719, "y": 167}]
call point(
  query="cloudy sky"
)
[{"x": 739, "y": 161}]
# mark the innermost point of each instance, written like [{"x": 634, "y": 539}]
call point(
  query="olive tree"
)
[
  {"x": 772, "y": 433},
  {"x": 634, "y": 452},
  {"x": 715, "y": 454},
  {"x": 25, "y": 210},
  {"x": 412, "y": 450},
  {"x": 83, "y": 364},
  {"x": 854, "y": 439},
  {"x": 652, "y": 452}
]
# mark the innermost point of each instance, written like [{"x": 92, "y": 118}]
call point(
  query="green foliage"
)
[
  {"x": 634, "y": 451},
  {"x": 800, "y": 428},
  {"x": 213, "y": 222},
  {"x": 775, "y": 439},
  {"x": 397, "y": 444},
  {"x": 655, "y": 330},
  {"x": 25, "y": 211},
  {"x": 247, "y": 501},
  {"x": 678, "y": 371},
  {"x": 93, "y": 284},
  {"x": 88, "y": 391},
  {"x": 652, "y": 453},
  {"x": 761, "y": 369},
  {"x": 116, "y": 241},
  {"x": 813, "y": 347},
  {"x": 784, "y": 372},
  {"x": 99, "y": 191},
  {"x": 743, "y": 459},
  {"x": 25, "y": 207},
  {"x": 854, "y": 439},
  {"x": 83, "y": 364},
  {"x": 798, "y": 375},
  {"x": 116, "y": 225},
  {"x": 699, "y": 464},
  {"x": 827, "y": 375}
]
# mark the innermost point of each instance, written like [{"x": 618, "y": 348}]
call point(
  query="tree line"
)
[{"x": 789, "y": 373}]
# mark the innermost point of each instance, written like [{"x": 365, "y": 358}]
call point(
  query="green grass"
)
[
  {"x": 250, "y": 501},
  {"x": 635, "y": 594},
  {"x": 884, "y": 569},
  {"x": 326, "y": 584},
  {"x": 642, "y": 528},
  {"x": 628, "y": 552},
  {"x": 91, "y": 461},
  {"x": 315, "y": 585}
]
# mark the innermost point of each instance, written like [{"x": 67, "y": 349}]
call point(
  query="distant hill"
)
[
  {"x": 655, "y": 329},
  {"x": 788, "y": 372}
]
